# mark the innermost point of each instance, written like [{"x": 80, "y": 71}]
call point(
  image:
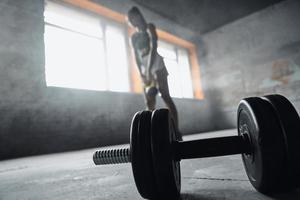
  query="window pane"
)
[
  {"x": 173, "y": 78},
  {"x": 117, "y": 60},
  {"x": 185, "y": 74},
  {"x": 74, "y": 60},
  {"x": 72, "y": 19},
  {"x": 166, "y": 50},
  {"x": 177, "y": 63}
]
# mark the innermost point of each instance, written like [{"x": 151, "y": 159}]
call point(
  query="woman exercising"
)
[{"x": 150, "y": 64}]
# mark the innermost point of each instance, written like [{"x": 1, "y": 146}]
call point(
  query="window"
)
[
  {"x": 177, "y": 62},
  {"x": 84, "y": 51},
  {"x": 86, "y": 47}
]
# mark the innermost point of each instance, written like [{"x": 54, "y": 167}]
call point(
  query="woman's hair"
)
[
  {"x": 136, "y": 18},
  {"x": 133, "y": 12}
]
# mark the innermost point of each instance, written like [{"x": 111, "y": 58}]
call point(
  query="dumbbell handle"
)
[{"x": 210, "y": 147}]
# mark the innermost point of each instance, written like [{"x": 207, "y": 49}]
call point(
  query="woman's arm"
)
[
  {"x": 136, "y": 54},
  {"x": 138, "y": 59}
]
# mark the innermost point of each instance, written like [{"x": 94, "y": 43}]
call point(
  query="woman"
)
[{"x": 150, "y": 64}]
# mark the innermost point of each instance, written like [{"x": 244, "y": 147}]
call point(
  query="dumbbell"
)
[{"x": 268, "y": 139}]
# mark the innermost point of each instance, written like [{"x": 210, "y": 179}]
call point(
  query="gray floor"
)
[{"x": 73, "y": 175}]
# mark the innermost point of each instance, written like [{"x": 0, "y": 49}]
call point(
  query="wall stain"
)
[{"x": 281, "y": 71}]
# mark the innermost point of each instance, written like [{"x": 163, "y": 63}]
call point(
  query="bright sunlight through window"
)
[
  {"x": 178, "y": 66},
  {"x": 82, "y": 51}
]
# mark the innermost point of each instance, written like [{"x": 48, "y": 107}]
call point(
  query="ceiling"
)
[{"x": 203, "y": 16}]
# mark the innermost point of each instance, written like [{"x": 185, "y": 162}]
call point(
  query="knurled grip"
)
[{"x": 112, "y": 156}]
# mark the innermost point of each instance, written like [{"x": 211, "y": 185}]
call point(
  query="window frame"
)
[{"x": 134, "y": 79}]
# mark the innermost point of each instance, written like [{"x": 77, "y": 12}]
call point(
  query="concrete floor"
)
[{"x": 72, "y": 175}]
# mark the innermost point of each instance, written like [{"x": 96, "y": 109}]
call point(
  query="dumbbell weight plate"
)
[
  {"x": 266, "y": 165},
  {"x": 166, "y": 169},
  {"x": 290, "y": 124},
  {"x": 141, "y": 155}
]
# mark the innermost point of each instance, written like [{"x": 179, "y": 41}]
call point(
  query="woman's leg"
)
[
  {"x": 150, "y": 100},
  {"x": 162, "y": 81}
]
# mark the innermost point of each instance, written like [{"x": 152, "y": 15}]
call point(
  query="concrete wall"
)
[
  {"x": 255, "y": 55},
  {"x": 36, "y": 119}
]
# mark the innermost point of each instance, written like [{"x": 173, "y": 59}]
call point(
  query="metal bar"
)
[{"x": 211, "y": 147}]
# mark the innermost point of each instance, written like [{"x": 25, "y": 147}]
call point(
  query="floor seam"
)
[{"x": 215, "y": 179}]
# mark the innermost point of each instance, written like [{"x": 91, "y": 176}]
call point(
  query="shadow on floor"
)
[
  {"x": 288, "y": 196},
  {"x": 237, "y": 194}
]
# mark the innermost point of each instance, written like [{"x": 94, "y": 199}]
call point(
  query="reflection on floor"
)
[{"x": 73, "y": 175}]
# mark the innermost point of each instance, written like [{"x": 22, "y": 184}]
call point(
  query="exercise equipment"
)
[
  {"x": 268, "y": 139},
  {"x": 151, "y": 91}
]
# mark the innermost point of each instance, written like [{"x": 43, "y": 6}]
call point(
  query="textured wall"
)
[
  {"x": 21, "y": 71},
  {"x": 255, "y": 55}
]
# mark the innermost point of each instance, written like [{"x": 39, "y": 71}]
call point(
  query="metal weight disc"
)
[
  {"x": 141, "y": 156},
  {"x": 266, "y": 165},
  {"x": 290, "y": 125},
  {"x": 166, "y": 169}
]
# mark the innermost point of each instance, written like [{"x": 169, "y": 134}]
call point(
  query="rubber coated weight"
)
[
  {"x": 142, "y": 165},
  {"x": 166, "y": 169},
  {"x": 266, "y": 165},
  {"x": 290, "y": 125}
]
